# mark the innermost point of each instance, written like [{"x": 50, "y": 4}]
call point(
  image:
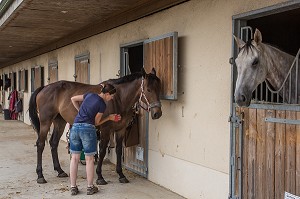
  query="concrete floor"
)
[{"x": 18, "y": 176}]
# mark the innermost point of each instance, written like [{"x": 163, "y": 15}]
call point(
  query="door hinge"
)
[
  {"x": 282, "y": 121},
  {"x": 234, "y": 119}
]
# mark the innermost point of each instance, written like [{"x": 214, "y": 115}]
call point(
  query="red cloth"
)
[{"x": 12, "y": 101}]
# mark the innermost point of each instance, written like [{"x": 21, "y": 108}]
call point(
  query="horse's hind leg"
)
[
  {"x": 102, "y": 152},
  {"x": 59, "y": 126},
  {"x": 119, "y": 146},
  {"x": 40, "y": 144}
]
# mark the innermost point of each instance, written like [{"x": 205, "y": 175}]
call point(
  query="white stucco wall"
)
[{"x": 189, "y": 145}]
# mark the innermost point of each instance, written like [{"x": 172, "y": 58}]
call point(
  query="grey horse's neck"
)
[{"x": 278, "y": 64}]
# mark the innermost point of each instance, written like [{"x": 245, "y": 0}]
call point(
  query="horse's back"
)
[{"x": 55, "y": 98}]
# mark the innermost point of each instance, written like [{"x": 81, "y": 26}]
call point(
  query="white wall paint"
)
[{"x": 179, "y": 180}]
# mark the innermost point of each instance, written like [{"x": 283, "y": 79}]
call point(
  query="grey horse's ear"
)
[
  {"x": 240, "y": 43},
  {"x": 153, "y": 71},
  {"x": 257, "y": 36}
]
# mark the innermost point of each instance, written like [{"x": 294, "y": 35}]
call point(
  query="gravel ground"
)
[{"x": 18, "y": 176}]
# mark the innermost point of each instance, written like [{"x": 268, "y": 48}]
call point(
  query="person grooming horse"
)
[{"x": 91, "y": 107}]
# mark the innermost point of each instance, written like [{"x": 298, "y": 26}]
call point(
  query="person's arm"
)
[
  {"x": 76, "y": 100},
  {"x": 112, "y": 117}
]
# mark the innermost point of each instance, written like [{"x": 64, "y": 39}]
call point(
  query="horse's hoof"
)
[
  {"x": 101, "y": 182},
  {"x": 62, "y": 175},
  {"x": 41, "y": 181},
  {"x": 123, "y": 180}
]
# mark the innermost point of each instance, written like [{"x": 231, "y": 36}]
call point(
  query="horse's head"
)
[
  {"x": 150, "y": 93},
  {"x": 250, "y": 67}
]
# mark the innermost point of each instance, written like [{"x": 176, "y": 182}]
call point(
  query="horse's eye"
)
[
  {"x": 148, "y": 90},
  {"x": 255, "y": 62}
]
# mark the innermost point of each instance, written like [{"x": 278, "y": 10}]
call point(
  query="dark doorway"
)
[
  {"x": 280, "y": 30},
  {"x": 135, "y": 58}
]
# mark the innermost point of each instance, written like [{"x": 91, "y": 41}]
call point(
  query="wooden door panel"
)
[
  {"x": 161, "y": 53},
  {"x": 136, "y": 157},
  {"x": 271, "y": 154},
  {"x": 53, "y": 72},
  {"x": 82, "y": 70}
]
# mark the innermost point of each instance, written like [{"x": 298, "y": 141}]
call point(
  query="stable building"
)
[{"x": 193, "y": 149}]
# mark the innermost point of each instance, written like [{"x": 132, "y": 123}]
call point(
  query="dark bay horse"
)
[
  {"x": 258, "y": 62},
  {"x": 52, "y": 104}
]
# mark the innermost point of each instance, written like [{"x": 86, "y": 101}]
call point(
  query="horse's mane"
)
[
  {"x": 249, "y": 43},
  {"x": 248, "y": 46},
  {"x": 127, "y": 78},
  {"x": 131, "y": 77}
]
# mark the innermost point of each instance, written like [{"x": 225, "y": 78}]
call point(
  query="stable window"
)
[
  {"x": 52, "y": 72},
  {"x": 23, "y": 80},
  {"x": 82, "y": 68},
  {"x": 7, "y": 82},
  {"x": 285, "y": 37},
  {"x": 37, "y": 77},
  {"x": 13, "y": 79}
]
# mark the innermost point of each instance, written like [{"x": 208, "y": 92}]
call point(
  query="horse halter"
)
[{"x": 149, "y": 106}]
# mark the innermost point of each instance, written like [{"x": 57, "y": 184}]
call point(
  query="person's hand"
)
[{"x": 115, "y": 117}]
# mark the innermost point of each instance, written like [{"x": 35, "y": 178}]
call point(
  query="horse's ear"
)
[
  {"x": 153, "y": 71},
  {"x": 257, "y": 36},
  {"x": 240, "y": 43}
]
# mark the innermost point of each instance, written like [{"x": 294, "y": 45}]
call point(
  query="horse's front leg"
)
[
  {"x": 59, "y": 126},
  {"x": 119, "y": 141},
  {"x": 102, "y": 152}
]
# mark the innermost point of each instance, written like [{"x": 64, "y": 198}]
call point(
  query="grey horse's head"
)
[{"x": 250, "y": 67}]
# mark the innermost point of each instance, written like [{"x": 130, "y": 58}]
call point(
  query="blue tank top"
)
[{"x": 91, "y": 105}]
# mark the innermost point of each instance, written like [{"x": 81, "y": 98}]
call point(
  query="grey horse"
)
[{"x": 258, "y": 62}]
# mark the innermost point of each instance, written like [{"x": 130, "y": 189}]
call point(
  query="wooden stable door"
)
[
  {"x": 82, "y": 69},
  {"x": 37, "y": 77},
  {"x": 52, "y": 72},
  {"x": 161, "y": 53},
  {"x": 136, "y": 157},
  {"x": 269, "y": 153},
  {"x": 135, "y": 153}
]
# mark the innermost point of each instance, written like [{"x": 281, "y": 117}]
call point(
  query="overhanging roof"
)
[{"x": 32, "y": 27}]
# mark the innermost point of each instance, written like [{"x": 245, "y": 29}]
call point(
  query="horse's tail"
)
[{"x": 33, "y": 113}]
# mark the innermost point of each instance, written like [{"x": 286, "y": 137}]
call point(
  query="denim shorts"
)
[{"x": 83, "y": 136}]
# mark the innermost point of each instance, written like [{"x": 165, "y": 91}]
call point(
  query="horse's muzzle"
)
[
  {"x": 242, "y": 100},
  {"x": 156, "y": 115}
]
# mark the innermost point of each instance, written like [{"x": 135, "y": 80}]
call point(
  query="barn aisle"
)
[{"x": 18, "y": 177}]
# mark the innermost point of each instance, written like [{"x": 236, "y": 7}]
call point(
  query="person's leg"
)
[
  {"x": 74, "y": 168},
  {"x": 89, "y": 142},
  {"x": 89, "y": 159},
  {"x": 75, "y": 149}
]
